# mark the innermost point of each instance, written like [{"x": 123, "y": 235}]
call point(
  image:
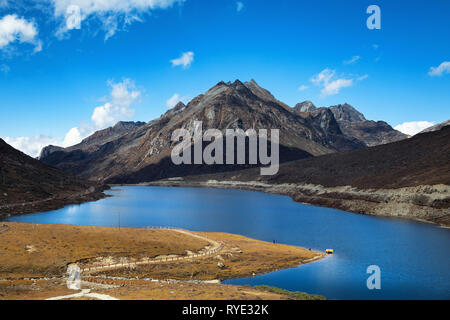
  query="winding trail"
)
[
  {"x": 216, "y": 247},
  {"x": 85, "y": 293}
]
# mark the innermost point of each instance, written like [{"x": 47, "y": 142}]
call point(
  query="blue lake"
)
[{"x": 414, "y": 257}]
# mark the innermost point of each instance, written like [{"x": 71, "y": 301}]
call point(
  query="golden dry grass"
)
[
  {"x": 137, "y": 290},
  {"x": 33, "y": 250},
  {"x": 241, "y": 257},
  {"x": 37, "y": 250}
]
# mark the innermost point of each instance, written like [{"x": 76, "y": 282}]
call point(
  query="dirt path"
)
[
  {"x": 215, "y": 248},
  {"x": 85, "y": 293}
]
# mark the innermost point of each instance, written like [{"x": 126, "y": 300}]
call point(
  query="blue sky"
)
[{"x": 67, "y": 71}]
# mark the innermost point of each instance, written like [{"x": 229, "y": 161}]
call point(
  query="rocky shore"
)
[
  {"x": 427, "y": 203},
  {"x": 52, "y": 203}
]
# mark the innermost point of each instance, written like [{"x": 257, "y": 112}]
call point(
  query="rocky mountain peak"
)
[
  {"x": 259, "y": 91},
  {"x": 305, "y": 106},
  {"x": 122, "y": 126},
  {"x": 46, "y": 151},
  {"x": 180, "y": 105},
  {"x": 345, "y": 112},
  {"x": 241, "y": 87}
]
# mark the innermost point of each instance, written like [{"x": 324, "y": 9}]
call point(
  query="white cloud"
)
[
  {"x": 185, "y": 60},
  {"x": 72, "y": 137},
  {"x": 31, "y": 145},
  {"x": 414, "y": 127},
  {"x": 239, "y": 6},
  {"x": 105, "y": 115},
  {"x": 329, "y": 86},
  {"x": 323, "y": 77},
  {"x": 444, "y": 67},
  {"x": 123, "y": 95},
  {"x": 335, "y": 86},
  {"x": 302, "y": 88},
  {"x": 113, "y": 14},
  {"x": 172, "y": 101},
  {"x": 352, "y": 60},
  {"x": 363, "y": 77},
  {"x": 13, "y": 28}
]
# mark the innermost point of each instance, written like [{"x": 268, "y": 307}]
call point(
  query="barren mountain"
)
[
  {"x": 372, "y": 133},
  {"x": 353, "y": 124},
  {"x": 96, "y": 139},
  {"x": 143, "y": 153},
  {"x": 420, "y": 160},
  {"x": 27, "y": 184}
]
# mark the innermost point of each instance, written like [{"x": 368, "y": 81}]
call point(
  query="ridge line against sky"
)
[{"x": 71, "y": 67}]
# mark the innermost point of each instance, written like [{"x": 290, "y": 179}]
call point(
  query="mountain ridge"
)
[
  {"x": 354, "y": 124},
  {"x": 143, "y": 153}
]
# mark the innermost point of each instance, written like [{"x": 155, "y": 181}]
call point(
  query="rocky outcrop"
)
[
  {"x": 353, "y": 124},
  {"x": 372, "y": 133},
  {"x": 305, "y": 106},
  {"x": 324, "y": 121},
  {"x": 46, "y": 151},
  {"x": 345, "y": 112}
]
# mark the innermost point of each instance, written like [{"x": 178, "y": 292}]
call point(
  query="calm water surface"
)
[{"x": 414, "y": 257}]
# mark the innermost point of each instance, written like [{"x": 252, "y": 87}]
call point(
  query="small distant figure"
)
[{"x": 273, "y": 241}]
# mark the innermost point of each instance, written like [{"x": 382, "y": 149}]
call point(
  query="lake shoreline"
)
[
  {"x": 411, "y": 203},
  {"x": 52, "y": 203},
  {"x": 407, "y": 203},
  {"x": 203, "y": 257}
]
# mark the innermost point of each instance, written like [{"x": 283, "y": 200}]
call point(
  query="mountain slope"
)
[
  {"x": 372, "y": 133},
  {"x": 96, "y": 139},
  {"x": 420, "y": 160},
  {"x": 26, "y": 184},
  {"x": 436, "y": 127},
  {"x": 143, "y": 153},
  {"x": 353, "y": 124}
]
